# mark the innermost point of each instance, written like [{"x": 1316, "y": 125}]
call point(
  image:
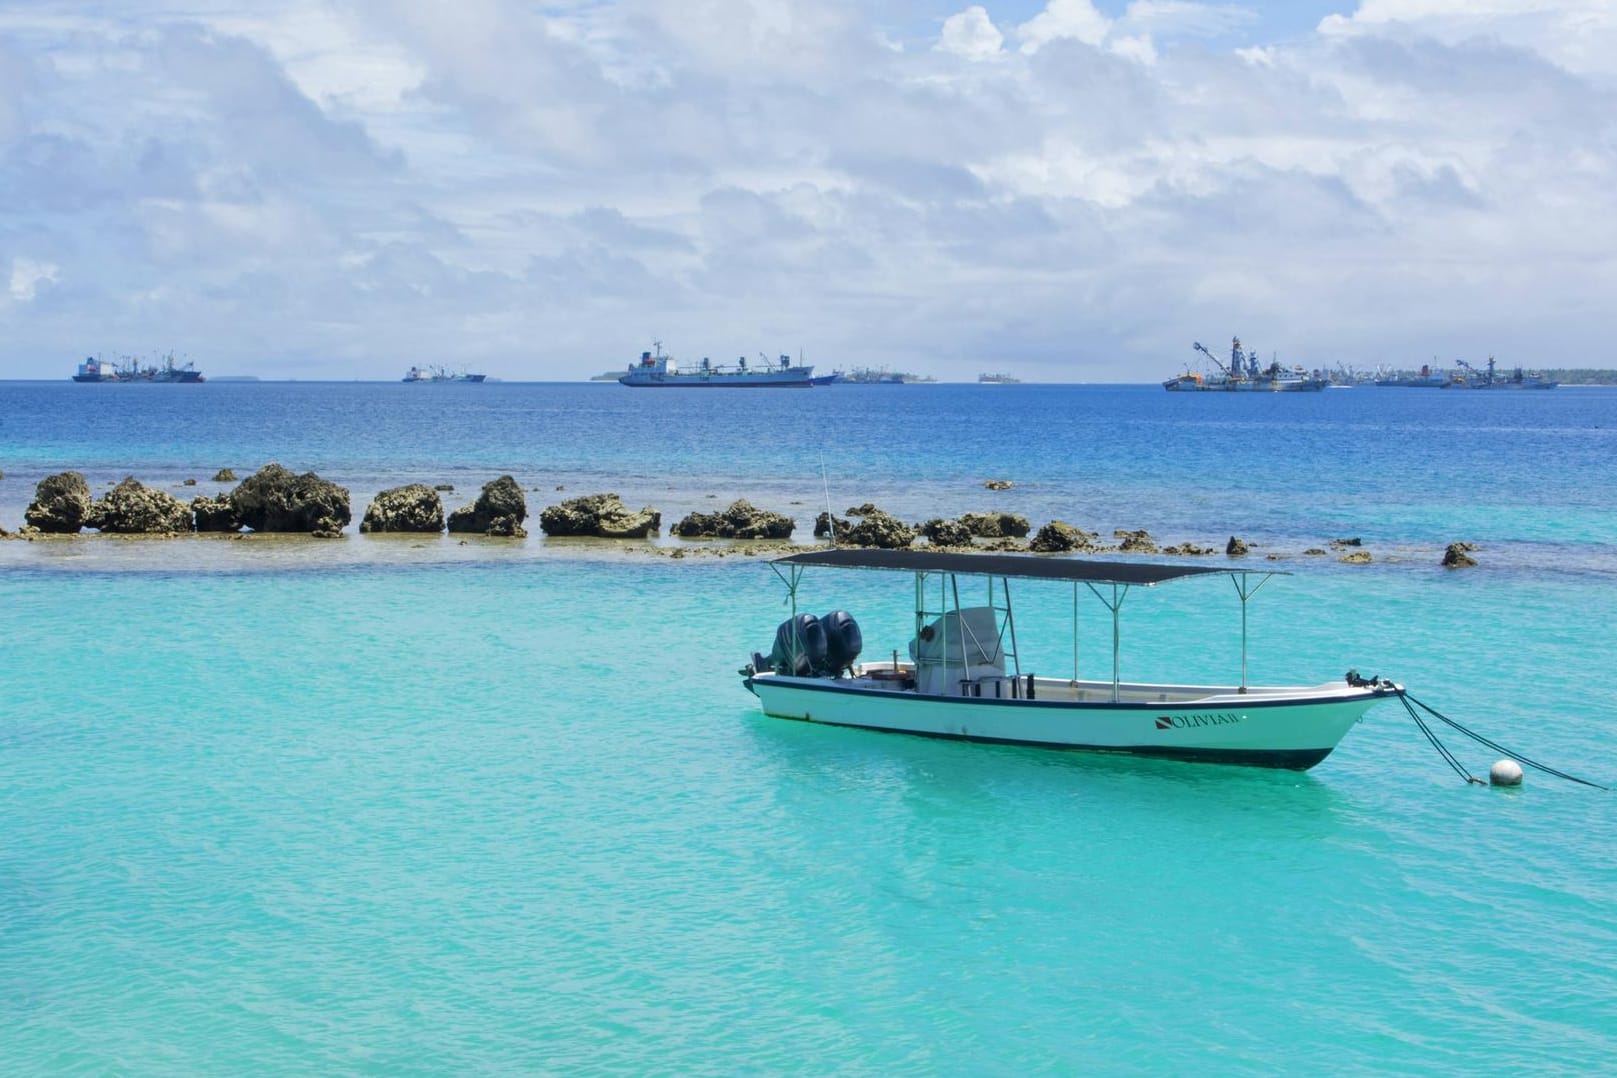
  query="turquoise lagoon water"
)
[{"x": 417, "y": 807}]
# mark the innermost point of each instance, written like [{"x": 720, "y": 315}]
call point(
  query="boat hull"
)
[
  {"x": 1305, "y": 385},
  {"x": 1293, "y": 729},
  {"x": 795, "y": 378}
]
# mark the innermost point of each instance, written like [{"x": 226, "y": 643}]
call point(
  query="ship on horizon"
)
[
  {"x": 881, "y": 376},
  {"x": 440, "y": 375},
  {"x": 1245, "y": 374},
  {"x": 658, "y": 371},
  {"x": 95, "y": 369},
  {"x": 1468, "y": 377}
]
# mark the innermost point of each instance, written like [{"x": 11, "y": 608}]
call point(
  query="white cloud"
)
[
  {"x": 1075, "y": 19},
  {"x": 972, "y": 34},
  {"x": 1164, "y": 17},
  {"x": 26, "y": 277},
  {"x": 536, "y": 189},
  {"x": 1579, "y": 35}
]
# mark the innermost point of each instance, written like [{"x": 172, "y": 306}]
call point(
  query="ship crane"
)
[
  {"x": 1203, "y": 350},
  {"x": 1484, "y": 377}
]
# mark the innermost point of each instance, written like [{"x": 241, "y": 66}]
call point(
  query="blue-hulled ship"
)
[
  {"x": 656, "y": 370},
  {"x": 94, "y": 369},
  {"x": 1245, "y": 374}
]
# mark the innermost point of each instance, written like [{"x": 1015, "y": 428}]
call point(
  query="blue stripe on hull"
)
[{"x": 1245, "y": 703}]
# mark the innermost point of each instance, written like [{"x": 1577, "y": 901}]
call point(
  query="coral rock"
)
[
  {"x": 742, "y": 520},
  {"x": 825, "y": 523},
  {"x": 940, "y": 532},
  {"x": 1456, "y": 556},
  {"x": 499, "y": 510},
  {"x": 603, "y": 516},
  {"x": 1136, "y": 542},
  {"x": 132, "y": 509},
  {"x": 274, "y": 499},
  {"x": 215, "y": 514},
  {"x": 877, "y": 529},
  {"x": 996, "y": 525},
  {"x": 412, "y": 508},
  {"x": 1058, "y": 536},
  {"x": 61, "y": 504}
]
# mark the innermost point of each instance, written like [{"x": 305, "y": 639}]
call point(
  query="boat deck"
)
[{"x": 883, "y": 677}]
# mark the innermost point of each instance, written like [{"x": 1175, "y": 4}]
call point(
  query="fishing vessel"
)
[
  {"x": 1428, "y": 377},
  {"x": 1491, "y": 379},
  {"x": 94, "y": 369},
  {"x": 1245, "y": 373},
  {"x": 882, "y": 376},
  {"x": 962, "y": 677},
  {"x": 656, "y": 370},
  {"x": 441, "y": 375}
]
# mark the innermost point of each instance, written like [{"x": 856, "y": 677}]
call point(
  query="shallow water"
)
[{"x": 292, "y": 806}]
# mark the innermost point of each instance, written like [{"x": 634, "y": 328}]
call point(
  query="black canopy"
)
[{"x": 1029, "y": 566}]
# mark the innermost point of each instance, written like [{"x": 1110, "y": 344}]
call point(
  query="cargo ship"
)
[
  {"x": 656, "y": 370},
  {"x": 94, "y": 369},
  {"x": 440, "y": 375}
]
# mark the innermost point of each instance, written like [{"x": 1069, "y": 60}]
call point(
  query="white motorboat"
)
[{"x": 964, "y": 680}]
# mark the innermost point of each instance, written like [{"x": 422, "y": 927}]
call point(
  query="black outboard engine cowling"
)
[
  {"x": 799, "y": 649},
  {"x": 843, "y": 641}
]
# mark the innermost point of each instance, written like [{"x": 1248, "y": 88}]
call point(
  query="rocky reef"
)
[
  {"x": 875, "y": 528},
  {"x": 996, "y": 525},
  {"x": 275, "y": 499},
  {"x": 1135, "y": 542},
  {"x": 61, "y": 504},
  {"x": 499, "y": 510},
  {"x": 940, "y": 532},
  {"x": 132, "y": 509},
  {"x": 1058, "y": 536},
  {"x": 1458, "y": 556},
  {"x": 603, "y": 516},
  {"x": 412, "y": 508},
  {"x": 214, "y": 514},
  {"x": 742, "y": 520}
]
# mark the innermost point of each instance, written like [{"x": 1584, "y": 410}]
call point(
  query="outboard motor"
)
[
  {"x": 843, "y": 642},
  {"x": 799, "y": 649}
]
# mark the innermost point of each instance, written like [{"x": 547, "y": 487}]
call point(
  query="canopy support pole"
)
[
  {"x": 1075, "y": 634},
  {"x": 1010, "y": 621},
  {"x": 1246, "y": 590},
  {"x": 1115, "y": 604}
]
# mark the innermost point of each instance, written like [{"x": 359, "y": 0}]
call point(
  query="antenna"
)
[{"x": 830, "y": 517}]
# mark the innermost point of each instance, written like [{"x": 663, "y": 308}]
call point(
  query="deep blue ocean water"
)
[{"x": 383, "y": 805}]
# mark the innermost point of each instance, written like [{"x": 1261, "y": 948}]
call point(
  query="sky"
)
[{"x": 1062, "y": 190}]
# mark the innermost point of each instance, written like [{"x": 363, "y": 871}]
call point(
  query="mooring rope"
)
[
  {"x": 1473, "y": 735},
  {"x": 1442, "y": 749}
]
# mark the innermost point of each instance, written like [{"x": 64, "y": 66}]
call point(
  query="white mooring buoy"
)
[{"x": 1505, "y": 773}]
